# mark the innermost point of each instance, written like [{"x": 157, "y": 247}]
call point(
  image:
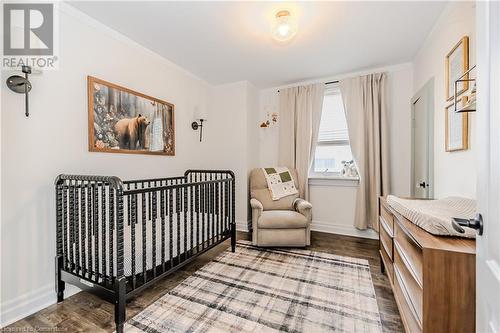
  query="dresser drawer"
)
[
  {"x": 388, "y": 217},
  {"x": 409, "y": 282},
  {"x": 406, "y": 310},
  {"x": 386, "y": 242},
  {"x": 410, "y": 252}
]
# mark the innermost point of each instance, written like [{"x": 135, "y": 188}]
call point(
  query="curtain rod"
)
[{"x": 326, "y": 83}]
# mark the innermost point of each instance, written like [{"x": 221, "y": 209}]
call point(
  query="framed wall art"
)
[
  {"x": 456, "y": 64},
  {"x": 125, "y": 121},
  {"x": 456, "y": 128}
]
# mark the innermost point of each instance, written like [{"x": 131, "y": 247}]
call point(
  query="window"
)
[{"x": 333, "y": 140}]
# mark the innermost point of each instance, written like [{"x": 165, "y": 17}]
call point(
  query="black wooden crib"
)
[{"x": 115, "y": 238}]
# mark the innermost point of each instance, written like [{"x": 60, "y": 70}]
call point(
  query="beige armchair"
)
[{"x": 284, "y": 222}]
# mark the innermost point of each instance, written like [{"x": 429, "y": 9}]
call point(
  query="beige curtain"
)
[
  {"x": 300, "y": 115},
  {"x": 366, "y": 112}
]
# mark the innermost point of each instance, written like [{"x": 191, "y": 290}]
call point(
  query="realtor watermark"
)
[
  {"x": 30, "y": 35},
  {"x": 33, "y": 329}
]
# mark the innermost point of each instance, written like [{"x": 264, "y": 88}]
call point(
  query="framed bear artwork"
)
[{"x": 125, "y": 121}]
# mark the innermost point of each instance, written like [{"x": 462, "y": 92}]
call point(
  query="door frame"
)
[
  {"x": 427, "y": 92},
  {"x": 488, "y": 177}
]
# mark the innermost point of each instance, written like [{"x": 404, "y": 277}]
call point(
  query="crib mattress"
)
[
  {"x": 435, "y": 216},
  {"x": 177, "y": 236},
  {"x": 172, "y": 237}
]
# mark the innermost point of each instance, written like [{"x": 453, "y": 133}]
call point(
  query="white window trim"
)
[{"x": 331, "y": 178}]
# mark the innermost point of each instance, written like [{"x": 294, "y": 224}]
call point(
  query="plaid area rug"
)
[{"x": 268, "y": 290}]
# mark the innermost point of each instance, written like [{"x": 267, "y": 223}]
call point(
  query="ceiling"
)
[{"x": 224, "y": 42}]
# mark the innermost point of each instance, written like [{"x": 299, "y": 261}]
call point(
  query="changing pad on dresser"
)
[{"x": 434, "y": 216}]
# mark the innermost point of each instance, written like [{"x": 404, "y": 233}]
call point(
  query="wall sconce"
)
[
  {"x": 200, "y": 115},
  {"x": 195, "y": 126},
  {"x": 21, "y": 85}
]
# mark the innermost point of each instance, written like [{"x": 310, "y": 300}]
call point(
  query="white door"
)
[
  {"x": 488, "y": 186},
  {"x": 422, "y": 133}
]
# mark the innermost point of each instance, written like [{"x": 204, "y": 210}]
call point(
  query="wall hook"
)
[{"x": 21, "y": 85}]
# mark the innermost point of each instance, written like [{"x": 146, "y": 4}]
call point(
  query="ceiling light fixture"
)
[{"x": 284, "y": 27}]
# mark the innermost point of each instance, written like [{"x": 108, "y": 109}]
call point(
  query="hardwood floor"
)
[{"x": 85, "y": 312}]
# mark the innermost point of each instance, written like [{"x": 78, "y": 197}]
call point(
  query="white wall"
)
[
  {"x": 400, "y": 88},
  {"x": 230, "y": 126},
  {"x": 454, "y": 172},
  {"x": 53, "y": 140},
  {"x": 334, "y": 205}
]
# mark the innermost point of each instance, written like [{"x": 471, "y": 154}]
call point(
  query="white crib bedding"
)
[
  {"x": 149, "y": 240},
  {"x": 88, "y": 251}
]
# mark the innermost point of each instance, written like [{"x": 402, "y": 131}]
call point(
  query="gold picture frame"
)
[
  {"x": 456, "y": 128},
  {"x": 121, "y": 120},
  {"x": 456, "y": 64}
]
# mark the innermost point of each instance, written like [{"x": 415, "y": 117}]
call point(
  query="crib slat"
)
[
  {"x": 89, "y": 231},
  {"x": 119, "y": 237},
  {"x": 207, "y": 208},
  {"x": 76, "y": 229},
  {"x": 203, "y": 211},
  {"x": 83, "y": 225},
  {"x": 222, "y": 198},
  {"x": 65, "y": 224},
  {"x": 127, "y": 204},
  {"x": 221, "y": 209},
  {"x": 153, "y": 221},
  {"x": 132, "y": 237},
  {"x": 226, "y": 204},
  {"x": 143, "y": 223},
  {"x": 149, "y": 204},
  {"x": 197, "y": 208},
  {"x": 212, "y": 211},
  {"x": 71, "y": 226},
  {"x": 170, "y": 224},
  {"x": 217, "y": 216},
  {"x": 178, "y": 215},
  {"x": 111, "y": 228},
  {"x": 185, "y": 196},
  {"x": 59, "y": 217},
  {"x": 103, "y": 231},
  {"x": 162, "y": 215},
  {"x": 233, "y": 210},
  {"x": 96, "y": 232},
  {"x": 191, "y": 218}
]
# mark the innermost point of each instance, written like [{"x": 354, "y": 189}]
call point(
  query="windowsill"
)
[{"x": 333, "y": 181}]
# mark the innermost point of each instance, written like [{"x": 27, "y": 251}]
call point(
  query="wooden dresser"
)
[{"x": 433, "y": 278}]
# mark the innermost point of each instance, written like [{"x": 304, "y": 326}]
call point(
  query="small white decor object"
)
[{"x": 349, "y": 169}]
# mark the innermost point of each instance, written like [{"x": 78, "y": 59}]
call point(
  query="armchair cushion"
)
[{"x": 281, "y": 219}]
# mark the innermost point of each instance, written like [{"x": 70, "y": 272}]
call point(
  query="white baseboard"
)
[
  {"x": 328, "y": 227},
  {"x": 242, "y": 226},
  {"x": 342, "y": 229},
  {"x": 29, "y": 303}
]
